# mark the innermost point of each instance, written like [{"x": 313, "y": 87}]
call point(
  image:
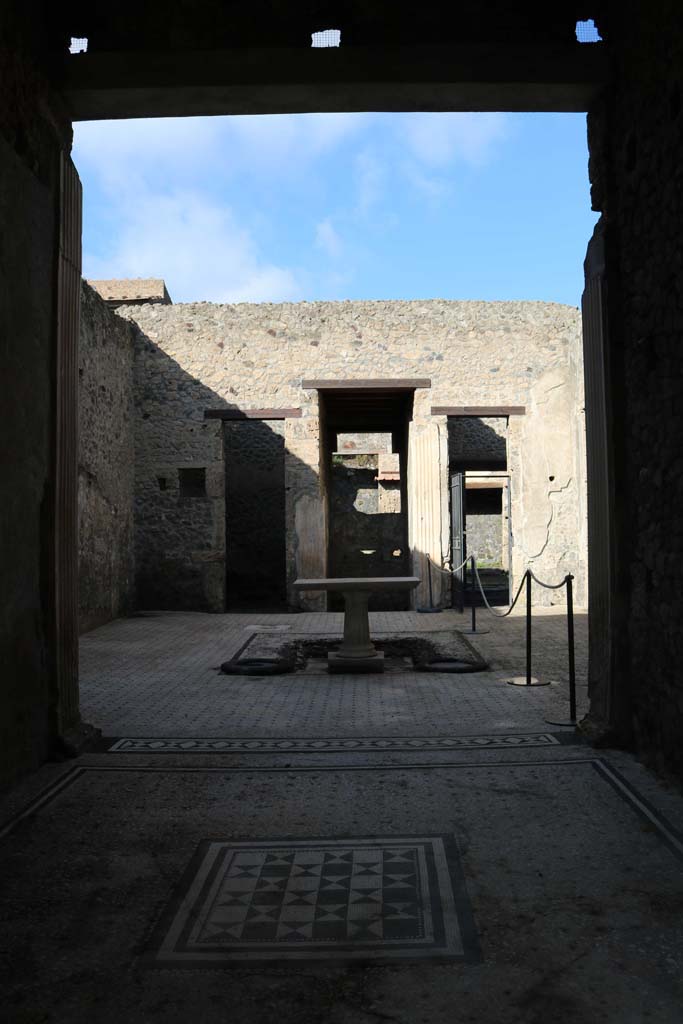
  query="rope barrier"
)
[
  {"x": 448, "y": 572},
  {"x": 548, "y": 586},
  {"x": 499, "y": 615},
  {"x": 528, "y": 576}
]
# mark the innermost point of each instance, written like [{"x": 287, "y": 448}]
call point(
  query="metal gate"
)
[{"x": 458, "y": 548}]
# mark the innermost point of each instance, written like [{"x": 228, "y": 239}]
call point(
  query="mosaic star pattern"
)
[{"x": 331, "y": 899}]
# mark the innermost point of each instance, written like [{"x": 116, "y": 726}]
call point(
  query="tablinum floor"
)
[
  {"x": 426, "y": 850},
  {"x": 542, "y": 882}
]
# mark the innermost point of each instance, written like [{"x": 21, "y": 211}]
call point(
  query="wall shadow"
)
[
  {"x": 474, "y": 444},
  {"x": 225, "y": 547}
]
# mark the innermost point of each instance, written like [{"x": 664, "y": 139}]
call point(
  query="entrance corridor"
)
[{"x": 406, "y": 847}]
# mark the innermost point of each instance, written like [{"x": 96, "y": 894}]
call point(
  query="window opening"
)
[
  {"x": 587, "y": 32},
  {"x": 78, "y": 45},
  {"x": 325, "y": 39}
]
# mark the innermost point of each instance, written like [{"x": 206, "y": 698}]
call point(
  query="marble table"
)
[{"x": 357, "y": 652}]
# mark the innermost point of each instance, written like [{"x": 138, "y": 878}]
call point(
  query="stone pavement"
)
[
  {"x": 157, "y": 675},
  {"x": 428, "y": 850}
]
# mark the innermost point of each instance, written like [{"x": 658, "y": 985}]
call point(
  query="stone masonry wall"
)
[
  {"x": 636, "y": 141},
  {"x": 196, "y": 356},
  {"x": 477, "y": 439},
  {"x": 106, "y": 474},
  {"x": 179, "y": 538}
]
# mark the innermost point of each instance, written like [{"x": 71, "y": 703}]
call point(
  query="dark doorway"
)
[{"x": 255, "y": 515}]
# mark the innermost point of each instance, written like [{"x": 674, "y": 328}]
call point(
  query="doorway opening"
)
[
  {"x": 365, "y": 463},
  {"x": 481, "y": 522},
  {"x": 255, "y": 557}
]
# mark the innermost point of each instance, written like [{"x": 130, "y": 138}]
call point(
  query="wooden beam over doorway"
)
[
  {"x": 478, "y": 410},
  {"x": 398, "y": 384},
  {"x": 252, "y": 414}
]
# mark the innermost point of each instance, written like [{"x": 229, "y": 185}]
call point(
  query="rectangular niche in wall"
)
[{"x": 192, "y": 483}]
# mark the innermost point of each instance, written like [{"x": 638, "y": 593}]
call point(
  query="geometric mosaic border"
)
[
  {"x": 211, "y": 745},
  {"x": 373, "y": 899}
]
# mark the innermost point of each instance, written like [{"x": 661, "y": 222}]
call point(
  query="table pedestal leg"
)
[
  {"x": 357, "y": 652},
  {"x": 356, "y": 643}
]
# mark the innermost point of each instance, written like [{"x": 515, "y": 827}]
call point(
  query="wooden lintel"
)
[
  {"x": 399, "y": 384},
  {"x": 252, "y": 414},
  {"x": 478, "y": 410}
]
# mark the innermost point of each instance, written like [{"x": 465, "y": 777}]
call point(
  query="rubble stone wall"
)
[
  {"x": 477, "y": 439},
  {"x": 192, "y": 357},
  {"x": 106, "y": 472},
  {"x": 179, "y": 538}
]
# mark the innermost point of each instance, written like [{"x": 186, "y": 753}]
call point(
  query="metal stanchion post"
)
[
  {"x": 473, "y": 594},
  {"x": 528, "y": 629},
  {"x": 528, "y": 679},
  {"x": 571, "y": 723},
  {"x": 570, "y": 644}
]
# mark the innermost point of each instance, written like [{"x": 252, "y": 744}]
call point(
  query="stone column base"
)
[{"x": 338, "y": 662}]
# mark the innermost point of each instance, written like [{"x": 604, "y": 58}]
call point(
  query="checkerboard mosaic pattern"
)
[{"x": 368, "y": 899}]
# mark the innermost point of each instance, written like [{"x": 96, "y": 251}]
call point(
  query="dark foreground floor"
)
[{"x": 513, "y": 876}]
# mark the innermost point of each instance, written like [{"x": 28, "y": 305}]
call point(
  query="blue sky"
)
[{"x": 340, "y": 206}]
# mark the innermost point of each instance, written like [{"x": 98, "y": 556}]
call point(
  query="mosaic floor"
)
[
  {"x": 380, "y": 898},
  {"x": 158, "y": 745},
  {"x": 521, "y": 885},
  {"x": 160, "y": 675}
]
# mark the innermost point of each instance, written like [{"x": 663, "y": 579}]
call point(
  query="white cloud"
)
[
  {"x": 202, "y": 201},
  {"x": 437, "y": 140},
  {"x": 433, "y": 188},
  {"x": 170, "y": 149},
  {"x": 199, "y": 250},
  {"x": 370, "y": 177},
  {"x": 327, "y": 239},
  {"x": 167, "y": 191}
]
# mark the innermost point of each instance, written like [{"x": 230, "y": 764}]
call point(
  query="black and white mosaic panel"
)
[
  {"x": 387, "y": 898},
  {"x": 209, "y": 745}
]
